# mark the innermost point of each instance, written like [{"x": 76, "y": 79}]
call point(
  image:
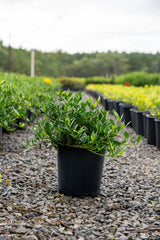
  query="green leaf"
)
[
  {"x": 138, "y": 138},
  {"x": 126, "y": 134},
  {"x": 95, "y": 104},
  {"x": 117, "y": 115},
  {"x": 99, "y": 99},
  {"x": 92, "y": 137},
  {"x": 111, "y": 120}
]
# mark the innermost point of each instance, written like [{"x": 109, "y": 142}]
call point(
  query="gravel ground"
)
[{"x": 31, "y": 208}]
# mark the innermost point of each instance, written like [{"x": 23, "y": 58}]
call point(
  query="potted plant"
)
[
  {"x": 83, "y": 133},
  {"x": 13, "y": 107}
]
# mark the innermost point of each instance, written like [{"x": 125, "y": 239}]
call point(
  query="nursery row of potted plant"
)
[
  {"x": 20, "y": 97},
  {"x": 12, "y": 107},
  {"x": 21, "y": 94},
  {"x": 144, "y": 98},
  {"x": 82, "y": 133},
  {"x": 143, "y": 122}
]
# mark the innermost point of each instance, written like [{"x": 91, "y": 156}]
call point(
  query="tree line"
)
[{"x": 59, "y": 63}]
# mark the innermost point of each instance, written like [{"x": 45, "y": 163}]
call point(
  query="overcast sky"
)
[{"x": 81, "y": 25}]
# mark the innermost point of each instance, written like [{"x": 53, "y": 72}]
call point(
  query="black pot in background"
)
[
  {"x": 89, "y": 92},
  {"x": 133, "y": 117},
  {"x": 106, "y": 105},
  {"x": 0, "y": 134},
  {"x": 116, "y": 106},
  {"x": 102, "y": 100},
  {"x": 19, "y": 121},
  {"x": 137, "y": 121},
  {"x": 79, "y": 172},
  {"x": 110, "y": 105},
  {"x": 145, "y": 123},
  {"x": 31, "y": 116},
  {"x": 125, "y": 112},
  {"x": 4, "y": 130},
  {"x": 157, "y": 129},
  {"x": 151, "y": 132},
  {"x": 96, "y": 94}
]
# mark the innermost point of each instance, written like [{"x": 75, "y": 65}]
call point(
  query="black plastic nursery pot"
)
[
  {"x": 116, "y": 106},
  {"x": 106, "y": 104},
  {"x": 151, "y": 132},
  {"x": 125, "y": 112},
  {"x": 79, "y": 172},
  {"x": 96, "y": 94},
  {"x": 145, "y": 123},
  {"x": 157, "y": 129},
  {"x": 19, "y": 121},
  {"x": 102, "y": 100},
  {"x": 110, "y": 105},
  {"x": 137, "y": 121},
  {"x": 133, "y": 117},
  {"x": 0, "y": 134},
  {"x": 31, "y": 116},
  {"x": 90, "y": 92},
  {"x": 4, "y": 130}
]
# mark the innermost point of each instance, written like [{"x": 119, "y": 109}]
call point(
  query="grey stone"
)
[
  {"x": 21, "y": 230},
  {"x": 9, "y": 209},
  {"x": 31, "y": 237},
  {"x": 38, "y": 227},
  {"x": 123, "y": 238},
  {"x": 110, "y": 237}
]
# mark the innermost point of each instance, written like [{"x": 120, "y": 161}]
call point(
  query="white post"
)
[{"x": 32, "y": 62}]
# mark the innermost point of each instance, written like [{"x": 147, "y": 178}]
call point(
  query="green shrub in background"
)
[
  {"x": 97, "y": 80},
  {"x": 138, "y": 79},
  {"x": 133, "y": 78},
  {"x": 12, "y": 106},
  {"x": 20, "y": 93},
  {"x": 33, "y": 89},
  {"x": 72, "y": 82}
]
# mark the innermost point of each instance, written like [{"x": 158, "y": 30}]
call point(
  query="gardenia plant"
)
[
  {"x": 13, "y": 106},
  {"x": 70, "y": 121}
]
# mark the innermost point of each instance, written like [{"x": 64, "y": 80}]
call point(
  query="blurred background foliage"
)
[{"x": 58, "y": 64}]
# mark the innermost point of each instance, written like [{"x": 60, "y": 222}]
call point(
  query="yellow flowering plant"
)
[
  {"x": 48, "y": 80},
  {"x": 144, "y": 98}
]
